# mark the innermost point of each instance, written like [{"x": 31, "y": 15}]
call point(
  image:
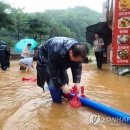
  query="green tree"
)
[
  {"x": 38, "y": 26},
  {"x": 76, "y": 19},
  {"x": 5, "y": 18},
  {"x": 20, "y": 22},
  {"x": 72, "y": 22}
]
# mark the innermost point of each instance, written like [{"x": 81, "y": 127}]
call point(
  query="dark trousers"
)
[
  {"x": 99, "y": 58},
  {"x": 3, "y": 63},
  {"x": 42, "y": 76}
]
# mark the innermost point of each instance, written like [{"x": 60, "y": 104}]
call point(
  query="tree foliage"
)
[
  {"x": 5, "y": 17},
  {"x": 76, "y": 19},
  {"x": 70, "y": 22}
]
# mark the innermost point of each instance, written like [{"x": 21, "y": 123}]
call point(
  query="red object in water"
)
[
  {"x": 32, "y": 79},
  {"x": 82, "y": 92},
  {"x": 75, "y": 102},
  {"x": 23, "y": 79},
  {"x": 68, "y": 96}
]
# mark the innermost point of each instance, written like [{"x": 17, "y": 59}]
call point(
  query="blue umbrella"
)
[{"x": 19, "y": 46}]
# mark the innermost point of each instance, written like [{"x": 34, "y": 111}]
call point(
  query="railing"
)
[
  {"x": 13, "y": 51},
  {"x": 16, "y": 55}
]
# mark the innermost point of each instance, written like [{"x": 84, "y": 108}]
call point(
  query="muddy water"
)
[{"x": 24, "y": 106}]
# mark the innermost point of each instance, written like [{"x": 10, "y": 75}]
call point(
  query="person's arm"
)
[
  {"x": 93, "y": 47},
  {"x": 40, "y": 56},
  {"x": 101, "y": 42},
  {"x": 30, "y": 62},
  {"x": 8, "y": 52},
  {"x": 76, "y": 69},
  {"x": 26, "y": 52}
]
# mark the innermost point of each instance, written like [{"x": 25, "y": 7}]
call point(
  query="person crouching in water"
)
[
  {"x": 27, "y": 63},
  {"x": 97, "y": 48},
  {"x": 54, "y": 58}
]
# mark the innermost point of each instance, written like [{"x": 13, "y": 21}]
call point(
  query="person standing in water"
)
[
  {"x": 4, "y": 56},
  {"x": 97, "y": 48}
]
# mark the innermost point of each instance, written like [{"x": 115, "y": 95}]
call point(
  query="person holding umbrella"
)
[
  {"x": 97, "y": 48},
  {"x": 25, "y": 52},
  {"x": 54, "y": 58}
]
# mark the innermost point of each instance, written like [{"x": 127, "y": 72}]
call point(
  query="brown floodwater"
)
[{"x": 24, "y": 106}]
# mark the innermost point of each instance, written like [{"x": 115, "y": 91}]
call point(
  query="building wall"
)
[
  {"x": 104, "y": 11},
  {"x": 114, "y": 68}
]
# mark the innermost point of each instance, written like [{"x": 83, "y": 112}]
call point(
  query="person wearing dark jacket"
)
[
  {"x": 54, "y": 58},
  {"x": 4, "y": 56}
]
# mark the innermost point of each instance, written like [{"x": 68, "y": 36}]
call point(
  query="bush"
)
[{"x": 9, "y": 40}]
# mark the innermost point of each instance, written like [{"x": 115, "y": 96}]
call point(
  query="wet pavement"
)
[{"x": 24, "y": 106}]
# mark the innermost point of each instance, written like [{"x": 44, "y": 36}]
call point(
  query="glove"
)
[
  {"x": 66, "y": 89},
  {"x": 78, "y": 86}
]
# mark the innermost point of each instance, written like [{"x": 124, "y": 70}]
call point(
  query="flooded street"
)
[{"x": 24, "y": 106}]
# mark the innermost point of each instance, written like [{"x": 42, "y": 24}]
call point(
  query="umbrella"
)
[
  {"x": 19, "y": 46},
  {"x": 101, "y": 28}
]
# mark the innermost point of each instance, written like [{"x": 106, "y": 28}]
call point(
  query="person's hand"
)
[
  {"x": 28, "y": 69},
  {"x": 78, "y": 86},
  {"x": 32, "y": 66},
  {"x": 66, "y": 89}
]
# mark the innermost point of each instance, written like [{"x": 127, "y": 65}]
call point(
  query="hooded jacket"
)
[
  {"x": 54, "y": 54},
  {"x": 4, "y": 50}
]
